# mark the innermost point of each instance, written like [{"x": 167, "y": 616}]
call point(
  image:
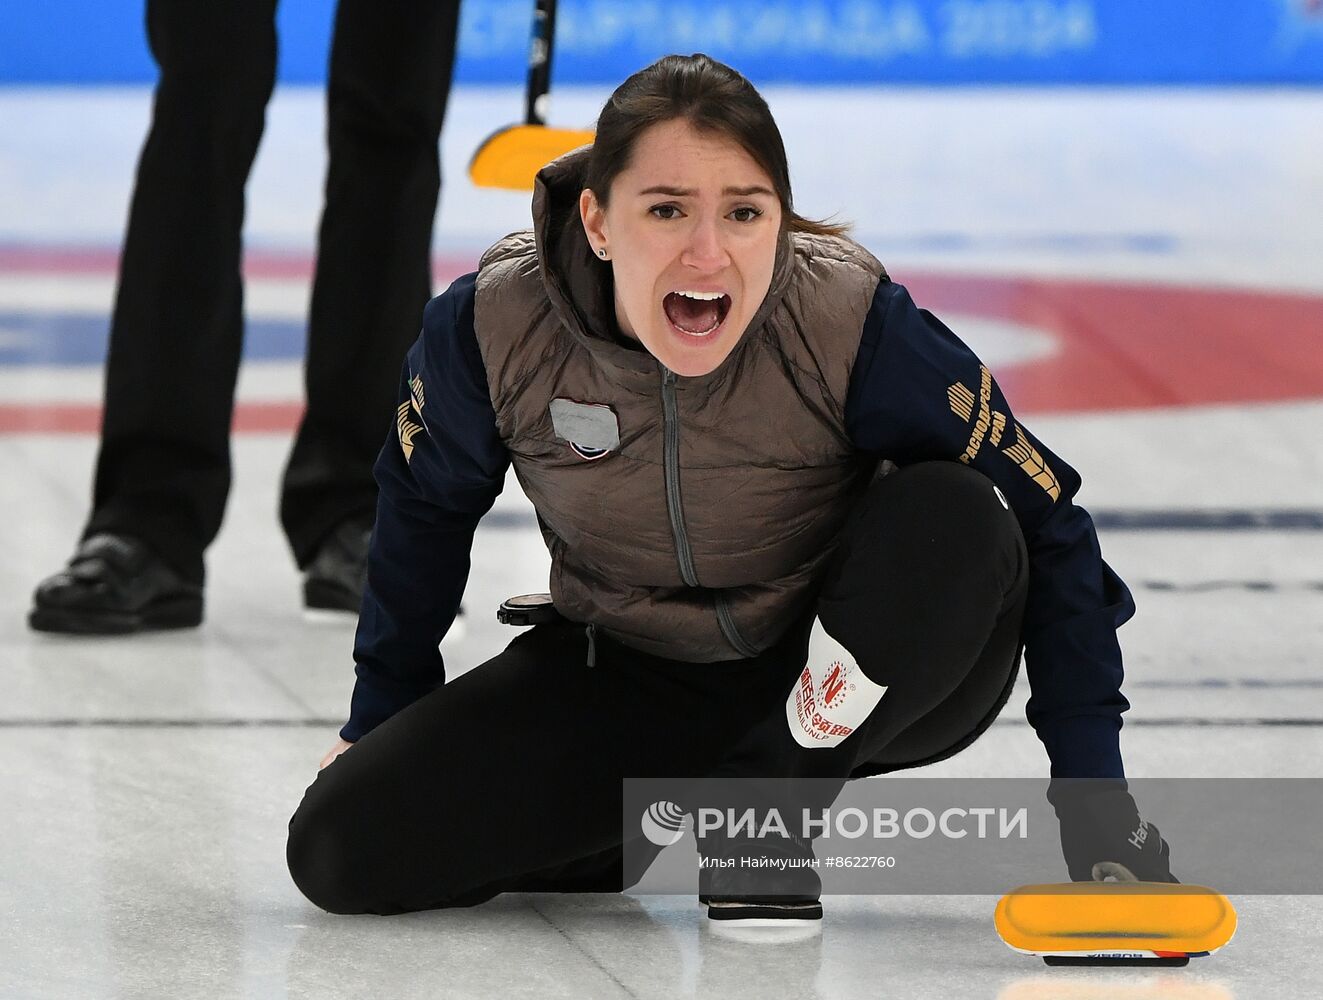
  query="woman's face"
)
[{"x": 691, "y": 233}]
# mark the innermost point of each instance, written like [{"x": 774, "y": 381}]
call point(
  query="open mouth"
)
[{"x": 696, "y": 314}]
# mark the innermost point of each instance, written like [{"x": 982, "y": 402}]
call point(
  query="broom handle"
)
[{"x": 539, "y": 62}]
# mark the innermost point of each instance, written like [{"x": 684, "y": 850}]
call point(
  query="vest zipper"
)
[
  {"x": 674, "y": 506},
  {"x": 671, "y": 455},
  {"x": 591, "y": 631},
  {"x": 728, "y": 628}
]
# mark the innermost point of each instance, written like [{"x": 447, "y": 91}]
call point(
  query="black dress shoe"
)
[
  {"x": 335, "y": 578},
  {"x": 113, "y": 585}
]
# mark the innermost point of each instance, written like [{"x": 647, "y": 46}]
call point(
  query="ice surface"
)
[{"x": 147, "y": 781}]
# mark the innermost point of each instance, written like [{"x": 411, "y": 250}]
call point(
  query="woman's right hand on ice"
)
[{"x": 340, "y": 747}]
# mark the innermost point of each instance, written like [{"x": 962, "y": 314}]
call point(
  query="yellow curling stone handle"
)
[{"x": 1093, "y": 918}]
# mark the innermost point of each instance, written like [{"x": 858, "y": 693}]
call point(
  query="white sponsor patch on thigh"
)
[{"x": 832, "y": 697}]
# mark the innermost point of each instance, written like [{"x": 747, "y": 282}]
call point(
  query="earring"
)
[{"x": 601, "y": 252}]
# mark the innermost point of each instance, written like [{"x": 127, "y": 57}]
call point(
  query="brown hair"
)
[{"x": 712, "y": 97}]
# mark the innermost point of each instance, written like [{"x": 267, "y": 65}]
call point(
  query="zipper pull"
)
[
  {"x": 591, "y": 631},
  {"x": 668, "y": 376}
]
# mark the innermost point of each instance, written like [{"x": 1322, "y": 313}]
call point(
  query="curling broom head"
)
[
  {"x": 511, "y": 157},
  {"x": 1110, "y": 923}
]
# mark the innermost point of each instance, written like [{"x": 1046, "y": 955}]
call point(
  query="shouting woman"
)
[{"x": 745, "y": 444}]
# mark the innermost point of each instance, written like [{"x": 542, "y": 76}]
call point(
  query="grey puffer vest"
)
[{"x": 701, "y": 533}]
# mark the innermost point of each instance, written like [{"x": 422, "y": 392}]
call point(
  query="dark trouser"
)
[
  {"x": 510, "y": 776},
  {"x": 164, "y": 468}
]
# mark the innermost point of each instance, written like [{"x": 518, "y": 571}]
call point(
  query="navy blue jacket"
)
[{"x": 898, "y": 407}]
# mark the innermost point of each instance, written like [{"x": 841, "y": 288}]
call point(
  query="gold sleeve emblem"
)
[
  {"x": 404, "y": 423},
  {"x": 990, "y": 424}
]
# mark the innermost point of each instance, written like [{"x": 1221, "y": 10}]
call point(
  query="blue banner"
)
[{"x": 790, "y": 41}]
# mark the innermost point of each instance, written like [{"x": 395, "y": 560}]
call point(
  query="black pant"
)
[
  {"x": 509, "y": 777},
  {"x": 163, "y": 473}
]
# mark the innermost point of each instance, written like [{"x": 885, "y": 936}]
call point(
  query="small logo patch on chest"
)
[{"x": 592, "y": 430}]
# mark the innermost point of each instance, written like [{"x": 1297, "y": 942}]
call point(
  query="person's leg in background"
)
[
  {"x": 390, "y": 75},
  {"x": 163, "y": 472}
]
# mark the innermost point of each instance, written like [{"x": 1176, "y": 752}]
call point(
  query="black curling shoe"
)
[
  {"x": 785, "y": 894},
  {"x": 114, "y": 585},
  {"x": 333, "y": 582},
  {"x": 335, "y": 578}
]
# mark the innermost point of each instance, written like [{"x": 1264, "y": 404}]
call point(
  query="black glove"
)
[{"x": 1102, "y": 834}]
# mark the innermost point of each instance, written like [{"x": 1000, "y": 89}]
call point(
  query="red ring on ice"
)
[{"x": 1118, "y": 345}]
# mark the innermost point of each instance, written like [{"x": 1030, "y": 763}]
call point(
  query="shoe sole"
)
[
  {"x": 184, "y": 612},
  {"x": 764, "y": 914},
  {"x": 765, "y": 932},
  {"x": 330, "y": 617},
  {"x": 327, "y": 604}
]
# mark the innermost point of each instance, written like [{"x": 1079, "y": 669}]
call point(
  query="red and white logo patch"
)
[{"x": 832, "y": 697}]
